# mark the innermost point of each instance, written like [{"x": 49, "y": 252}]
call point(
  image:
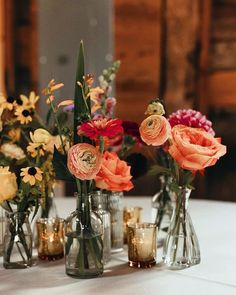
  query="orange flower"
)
[
  {"x": 195, "y": 149},
  {"x": 84, "y": 161},
  {"x": 114, "y": 174},
  {"x": 155, "y": 130},
  {"x": 49, "y": 90}
]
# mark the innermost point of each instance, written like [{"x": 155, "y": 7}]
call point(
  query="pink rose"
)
[
  {"x": 84, "y": 161},
  {"x": 114, "y": 174}
]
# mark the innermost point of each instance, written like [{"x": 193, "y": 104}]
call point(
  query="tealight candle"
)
[
  {"x": 142, "y": 244},
  {"x": 50, "y": 238}
]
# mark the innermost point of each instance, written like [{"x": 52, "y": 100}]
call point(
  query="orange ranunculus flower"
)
[
  {"x": 84, "y": 161},
  {"x": 114, "y": 174},
  {"x": 195, "y": 149},
  {"x": 155, "y": 130}
]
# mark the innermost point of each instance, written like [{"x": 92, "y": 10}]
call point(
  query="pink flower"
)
[
  {"x": 101, "y": 127},
  {"x": 84, "y": 161},
  {"x": 110, "y": 105},
  {"x": 191, "y": 118},
  {"x": 114, "y": 174}
]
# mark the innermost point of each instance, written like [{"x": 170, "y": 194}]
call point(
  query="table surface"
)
[{"x": 215, "y": 225}]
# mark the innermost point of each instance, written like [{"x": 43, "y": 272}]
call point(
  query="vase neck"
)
[
  {"x": 183, "y": 198},
  {"x": 84, "y": 208}
]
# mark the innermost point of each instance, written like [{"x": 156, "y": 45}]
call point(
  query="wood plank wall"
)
[
  {"x": 2, "y": 47},
  {"x": 137, "y": 45}
]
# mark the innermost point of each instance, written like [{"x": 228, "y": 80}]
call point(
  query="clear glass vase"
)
[
  {"x": 2, "y": 229},
  {"x": 83, "y": 241},
  {"x": 115, "y": 204},
  {"x": 99, "y": 202},
  {"x": 17, "y": 248},
  {"x": 181, "y": 247},
  {"x": 162, "y": 209}
]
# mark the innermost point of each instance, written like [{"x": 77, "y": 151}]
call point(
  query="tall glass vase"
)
[
  {"x": 181, "y": 248},
  {"x": 84, "y": 246},
  {"x": 17, "y": 248}
]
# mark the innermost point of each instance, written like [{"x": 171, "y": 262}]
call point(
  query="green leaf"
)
[
  {"x": 49, "y": 114},
  {"x": 60, "y": 165},
  {"x": 79, "y": 105},
  {"x": 157, "y": 169}
]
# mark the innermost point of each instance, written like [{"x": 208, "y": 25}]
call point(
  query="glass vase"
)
[
  {"x": 181, "y": 247},
  {"x": 162, "y": 209},
  {"x": 2, "y": 229},
  {"x": 83, "y": 241},
  {"x": 115, "y": 204},
  {"x": 100, "y": 206},
  {"x": 17, "y": 248}
]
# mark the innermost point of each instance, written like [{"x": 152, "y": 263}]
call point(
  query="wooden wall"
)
[
  {"x": 138, "y": 46},
  {"x": 20, "y": 45},
  {"x": 2, "y": 47}
]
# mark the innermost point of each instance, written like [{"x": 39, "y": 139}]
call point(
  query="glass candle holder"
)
[
  {"x": 142, "y": 244},
  {"x": 130, "y": 215},
  {"x": 50, "y": 238}
]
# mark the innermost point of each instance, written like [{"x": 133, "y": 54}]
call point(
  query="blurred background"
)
[{"x": 179, "y": 50}]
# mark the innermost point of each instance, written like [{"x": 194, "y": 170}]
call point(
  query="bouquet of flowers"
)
[
  {"x": 87, "y": 161},
  {"x": 26, "y": 171},
  {"x": 186, "y": 145}
]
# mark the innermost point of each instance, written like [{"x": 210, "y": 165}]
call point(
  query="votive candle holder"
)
[
  {"x": 51, "y": 235},
  {"x": 142, "y": 244}
]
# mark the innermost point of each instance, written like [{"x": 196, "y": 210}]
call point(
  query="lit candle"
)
[{"x": 142, "y": 244}]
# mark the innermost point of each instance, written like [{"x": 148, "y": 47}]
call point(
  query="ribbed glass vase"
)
[{"x": 181, "y": 247}]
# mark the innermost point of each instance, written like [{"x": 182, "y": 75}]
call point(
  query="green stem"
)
[{"x": 58, "y": 126}]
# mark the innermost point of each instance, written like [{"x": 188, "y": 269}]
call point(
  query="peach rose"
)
[
  {"x": 195, "y": 149},
  {"x": 155, "y": 130},
  {"x": 114, "y": 174},
  {"x": 84, "y": 161}
]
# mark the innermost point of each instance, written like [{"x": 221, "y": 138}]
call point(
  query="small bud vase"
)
[
  {"x": 17, "y": 247},
  {"x": 181, "y": 248},
  {"x": 100, "y": 206},
  {"x": 83, "y": 241}
]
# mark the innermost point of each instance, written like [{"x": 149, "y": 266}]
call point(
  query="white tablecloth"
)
[{"x": 215, "y": 225}]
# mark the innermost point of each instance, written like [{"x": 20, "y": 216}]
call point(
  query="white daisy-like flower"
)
[{"x": 12, "y": 151}]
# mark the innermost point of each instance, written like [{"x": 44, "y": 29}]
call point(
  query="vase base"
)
[
  {"x": 76, "y": 275},
  {"x": 16, "y": 265},
  {"x": 142, "y": 264},
  {"x": 181, "y": 264}
]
